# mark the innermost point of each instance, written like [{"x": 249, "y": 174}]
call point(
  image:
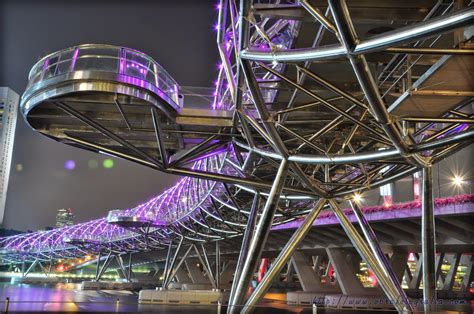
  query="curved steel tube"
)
[
  {"x": 231, "y": 169},
  {"x": 401, "y": 36}
]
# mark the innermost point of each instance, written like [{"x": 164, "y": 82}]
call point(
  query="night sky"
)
[{"x": 178, "y": 34}]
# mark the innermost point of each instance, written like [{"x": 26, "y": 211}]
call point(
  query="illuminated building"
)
[
  {"x": 8, "y": 114},
  {"x": 64, "y": 217}
]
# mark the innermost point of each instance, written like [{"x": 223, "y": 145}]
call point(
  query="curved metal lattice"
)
[{"x": 309, "y": 107}]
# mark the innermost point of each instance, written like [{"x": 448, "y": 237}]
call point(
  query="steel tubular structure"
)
[{"x": 303, "y": 114}]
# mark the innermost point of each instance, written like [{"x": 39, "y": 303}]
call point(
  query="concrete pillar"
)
[
  {"x": 467, "y": 260},
  {"x": 345, "y": 272},
  {"x": 289, "y": 272},
  {"x": 416, "y": 276},
  {"x": 326, "y": 272},
  {"x": 195, "y": 272},
  {"x": 449, "y": 280},
  {"x": 408, "y": 276},
  {"x": 398, "y": 263},
  {"x": 182, "y": 276},
  {"x": 155, "y": 271},
  {"x": 308, "y": 279},
  {"x": 120, "y": 273},
  {"x": 440, "y": 277},
  {"x": 428, "y": 241},
  {"x": 228, "y": 273},
  {"x": 438, "y": 264},
  {"x": 316, "y": 263}
]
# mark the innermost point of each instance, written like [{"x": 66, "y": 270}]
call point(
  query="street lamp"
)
[
  {"x": 458, "y": 180},
  {"x": 357, "y": 198}
]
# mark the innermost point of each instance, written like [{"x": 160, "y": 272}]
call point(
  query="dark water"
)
[
  {"x": 69, "y": 298},
  {"x": 64, "y": 298}
]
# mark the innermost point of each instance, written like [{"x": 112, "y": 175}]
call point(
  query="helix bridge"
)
[{"x": 310, "y": 106}]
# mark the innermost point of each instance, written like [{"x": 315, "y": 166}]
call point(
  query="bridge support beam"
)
[
  {"x": 194, "y": 271},
  {"x": 122, "y": 271},
  {"x": 341, "y": 261},
  {"x": 428, "y": 241},
  {"x": 252, "y": 218},
  {"x": 283, "y": 257},
  {"x": 44, "y": 270},
  {"x": 205, "y": 263},
  {"x": 259, "y": 238},
  {"x": 182, "y": 276},
  {"x": 218, "y": 266},
  {"x": 97, "y": 266},
  {"x": 449, "y": 279},
  {"x": 171, "y": 262},
  {"x": 415, "y": 278},
  {"x": 379, "y": 255},
  {"x": 398, "y": 263},
  {"x": 130, "y": 259},
  {"x": 227, "y": 273},
  {"x": 27, "y": 271},
  {"x": 309, "y": 280},
  {"x": 366, "y": 253},
  {"x": 467, "y": 260},
  {"x": 167, "y": 263},
  {"x": 289, "y": 272},
  {"x": 173, "y": 271},
  {"x": 104, "y": 267}
]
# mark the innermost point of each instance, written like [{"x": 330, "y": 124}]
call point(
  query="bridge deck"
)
[{"x": 447, "y": 83}]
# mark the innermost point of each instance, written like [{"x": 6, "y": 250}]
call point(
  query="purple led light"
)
[
  {"x": 457, "y": 129},
  {"x": 74, "y": 59},
  {"x": 45, "y": 65},
  {"x": 169, "y": 205},
  {"x": 69, "y": 165}
]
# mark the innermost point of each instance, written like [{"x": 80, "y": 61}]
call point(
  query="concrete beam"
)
[
  {"x": 449, "y": 280},
  {"x": 398, "y": 263},
  {"x": 195, "y": 272},
  {"x": 182, "y": 276},
  {"x": 309, "y": 280},
  {"x": 416, "y": 275},
  {"x": 343, "y": 262},
  {"x": 468, "y": 261},
  {"x": 228, "y": 273}
]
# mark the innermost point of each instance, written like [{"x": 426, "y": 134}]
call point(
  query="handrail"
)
[{"x": 105, "y": 58}]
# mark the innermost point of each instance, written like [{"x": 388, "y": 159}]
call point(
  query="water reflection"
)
[
  {"x": 65, "y": 297},
  {"x": 69, "y": 297}
]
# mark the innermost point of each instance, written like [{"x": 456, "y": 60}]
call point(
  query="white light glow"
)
[
  {"x": 458, "y": 180},
  {"x": 357, "y": 198}
]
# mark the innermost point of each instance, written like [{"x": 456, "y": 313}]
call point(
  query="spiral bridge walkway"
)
[{"x": 306, "y": 112}]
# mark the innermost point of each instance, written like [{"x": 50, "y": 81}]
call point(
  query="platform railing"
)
[{"x": 105, "y": 58}]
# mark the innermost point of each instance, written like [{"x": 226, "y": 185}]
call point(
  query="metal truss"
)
[{"x": 286, "y": 137}]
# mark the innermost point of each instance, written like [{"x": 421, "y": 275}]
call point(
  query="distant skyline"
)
[{"x": 178, "y": 34}]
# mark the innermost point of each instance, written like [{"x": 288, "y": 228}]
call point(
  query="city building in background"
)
[
  {"x": 8, "y": 112},
  {"x": 64, "y": 217}
]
